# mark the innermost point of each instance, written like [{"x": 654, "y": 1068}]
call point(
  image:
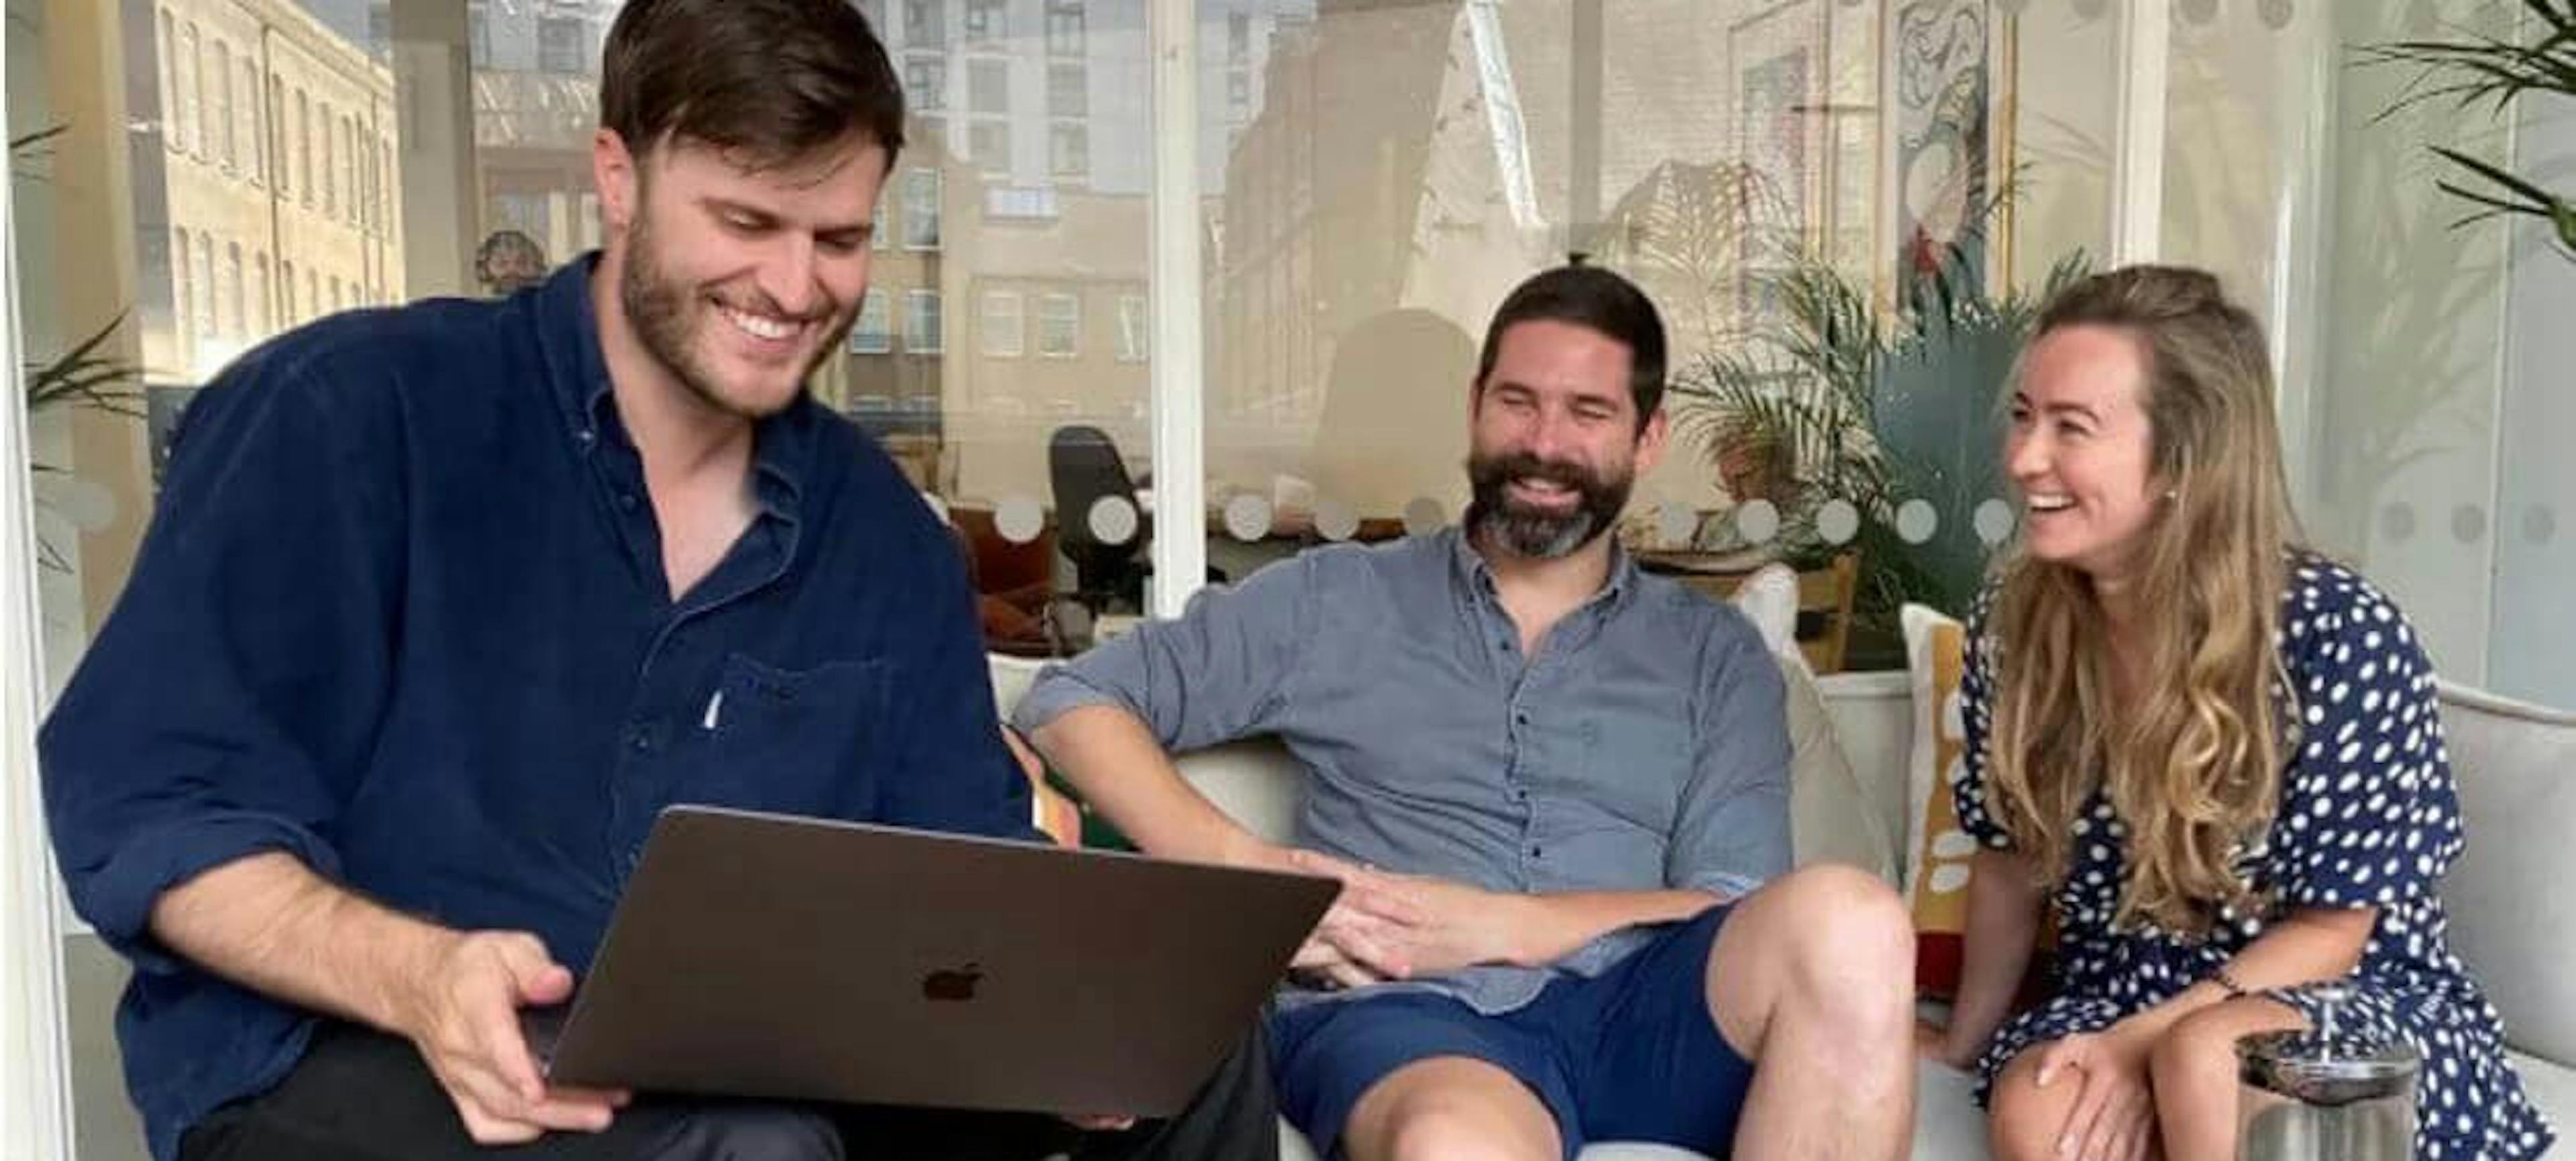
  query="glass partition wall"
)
[{"x": 1363, "y": 183}]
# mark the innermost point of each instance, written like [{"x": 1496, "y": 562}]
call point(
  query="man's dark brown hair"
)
[{"x": 767, "y": 82}]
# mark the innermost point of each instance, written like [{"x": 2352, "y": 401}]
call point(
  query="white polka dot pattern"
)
[{"x": 2369, "y": 817}]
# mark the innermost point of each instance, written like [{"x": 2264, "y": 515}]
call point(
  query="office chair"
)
[{"x": 1082, "y": 467}]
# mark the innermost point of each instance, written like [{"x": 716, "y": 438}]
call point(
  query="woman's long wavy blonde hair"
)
[{"x": 2191, "y": 758}]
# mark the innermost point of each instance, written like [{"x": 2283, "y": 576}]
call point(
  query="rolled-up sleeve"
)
[
  {"x": 1224, "y": 670},
  {"x": 1733, "y": 830},
  {"x": 228, "y": 703}
]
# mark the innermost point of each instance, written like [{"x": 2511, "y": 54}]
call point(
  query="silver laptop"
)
[{"x": 766, "y": 955}]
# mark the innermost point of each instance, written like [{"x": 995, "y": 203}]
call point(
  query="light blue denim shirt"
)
[{"x": 1640, "y": 748}]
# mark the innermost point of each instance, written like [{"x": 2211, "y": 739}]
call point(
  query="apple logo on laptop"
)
[{"x": 952, "y": 985}]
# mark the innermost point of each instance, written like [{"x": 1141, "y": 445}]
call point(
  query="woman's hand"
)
[{"x": 2114, "y": 1118}]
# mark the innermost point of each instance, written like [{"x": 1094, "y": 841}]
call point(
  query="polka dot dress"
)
[{"x": 2369, "y": 817}]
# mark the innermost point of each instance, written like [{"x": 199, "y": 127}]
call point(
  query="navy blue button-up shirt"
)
[{"x": 402, "y": 613}]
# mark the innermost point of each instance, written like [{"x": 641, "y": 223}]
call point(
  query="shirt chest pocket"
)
[
  {"x": 1637, "y": 764},
  {"x": 796, "y": 740}
]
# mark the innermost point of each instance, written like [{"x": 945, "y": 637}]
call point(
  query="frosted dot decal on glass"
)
[
  {"x": 1838, "y": 521},
  {"x": 1334, "y": 520},
  {"x": 1994, "y": 522},
  {"x": 2469, "y": 523},
  {"x": 1916, "y": 521},
  {"x": 2276, "y": 13},
  {"x": 2198, "y": 11},
  {"x": 1757, "y": 521},
  {"x": 2539, "y": 524},
  {"x": 1113, "y": 520},
  {"x": 2397, "y": 521},
  {"x": 1247, "y": 517},
  {"x": 1424, "y": 516},
  {"x": 1019, "y": 519},
  {"x": 1674, "y": 525}
]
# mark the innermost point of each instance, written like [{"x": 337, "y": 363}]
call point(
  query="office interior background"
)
[{"x": 1256, "y": 241}]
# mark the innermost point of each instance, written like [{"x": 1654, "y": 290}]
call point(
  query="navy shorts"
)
[{"x": 1630, "y": 1055}]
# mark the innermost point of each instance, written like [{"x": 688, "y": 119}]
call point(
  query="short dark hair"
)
[
  {"x": 1594, "y": 298},
  {"x": 769, "y": 81}
]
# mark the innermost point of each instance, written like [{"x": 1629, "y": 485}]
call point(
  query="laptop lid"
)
[{"x": 766, "y": 955}]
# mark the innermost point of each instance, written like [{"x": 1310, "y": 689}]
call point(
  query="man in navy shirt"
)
[{"x": 443, "y": 604}]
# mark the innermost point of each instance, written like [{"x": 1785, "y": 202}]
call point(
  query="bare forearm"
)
[
  {"x": 2302, "y": 947},
  {"x": 2003, "y": 925},
  {"x": 1124, "y": 774},
  {"x": 270, "y": 924},
  {"x": 1556, "y": 925}
]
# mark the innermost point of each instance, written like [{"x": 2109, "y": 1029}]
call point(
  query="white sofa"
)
[{"x": 2516, "y": 766}]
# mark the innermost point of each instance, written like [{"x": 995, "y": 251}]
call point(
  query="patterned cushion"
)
[{"x": 1939, "y": 853}]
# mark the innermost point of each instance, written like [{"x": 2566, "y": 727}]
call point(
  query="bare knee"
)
[
  {"x": 1444, "y": 1108},
  {"x": 1842, "y": 934},
  {"x": 2023, "y": 1120}
]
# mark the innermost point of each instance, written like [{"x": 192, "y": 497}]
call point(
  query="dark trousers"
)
[{"x": 360, "y": 1095}]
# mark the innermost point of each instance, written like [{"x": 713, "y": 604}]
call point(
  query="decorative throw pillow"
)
[
  {"x": 1829, "y": 815},
  {"x": 1940, "y": 853}
]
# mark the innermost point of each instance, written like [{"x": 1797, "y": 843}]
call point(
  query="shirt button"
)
[
  {"x": 626, "y": 500},
  {"x": 585, "y": 437},
  {"x": 1536, "y": 852},
  {"x": 1520, "y": 718},
  {"x": 640, "y": 739}
]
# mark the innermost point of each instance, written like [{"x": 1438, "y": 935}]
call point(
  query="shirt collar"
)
[
  {"x": 1471, "y": 567},
  {"x": 577, "y": 371}
]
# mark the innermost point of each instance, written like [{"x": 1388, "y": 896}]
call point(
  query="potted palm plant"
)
[{"x": 2474, "y": 69}]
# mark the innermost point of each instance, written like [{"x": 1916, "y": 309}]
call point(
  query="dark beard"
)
[
  {"x": 657, "y": 310},
  {"x": 1534, "y": 533}
]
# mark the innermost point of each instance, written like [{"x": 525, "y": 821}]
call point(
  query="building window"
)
[
  {"x": 873, "y": 333},
  {"x": 1238, "y": 38},
  {"x": 169, "y": 111},
  {"x": 205, "y": 287},
  {"x": 330, "y": 159},
  {"x": 222, "y": 111},
  {"x": 237, "y": 316},
  {"x": 264, "y": 316},
  {"x": 1069, "y": 151},
  {"x": 286, "y": 312},
  {"x": 988, "y": 86},
  {"x": 925, "y": 82},
  {"x": 278, "y": 170},
  {"x": 1133, "y": 328},
  {"x": 190, "y": 95},
  {"x": 1002, "y": 329},
  {"x": 925, "y": 23},
  {"x": 303, "y": 147},
  {"x": 562, "y": 47},
  {"x": 478, "y": 38},
  {"x": 989, "y": 143},
  {"x": 1068, "y": 90},
  {"x": 921, "y": 209},
  {"x": 1064, "y": 27},
  {"x": 1059, "y": 325},
  {"x": 921, "y": 322},
  {"x": 986, "y": 21},
  {"x": 252, "y": 131},
  {"x": 183, "y": 310},
  {"x": 1238, "y": 90},
  {"x": 314, "y": 305},
  {"x": 1024, "y": 202},
  {"x": 877, "y": 239}
]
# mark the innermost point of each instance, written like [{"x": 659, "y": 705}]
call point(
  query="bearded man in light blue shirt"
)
[{"x": 1556, "y": 790}]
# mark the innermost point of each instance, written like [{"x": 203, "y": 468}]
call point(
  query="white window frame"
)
[
  {"x": 1000, "y": 339},
  {"x": 880, "y": 305},
  {"x": 1071, "y": 304},
  {"x": 938, "y": 339}
]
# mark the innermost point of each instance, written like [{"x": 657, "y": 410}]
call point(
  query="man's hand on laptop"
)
[{"x": 462, "y": 1013}]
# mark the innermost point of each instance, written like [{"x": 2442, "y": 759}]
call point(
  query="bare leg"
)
[
  {"x": 1812, "y": 979},
  {"x": 2023, "y": 1120},
  {"x": 2194, "y": 1069},
  {"x": 1451, "y": 1108}
]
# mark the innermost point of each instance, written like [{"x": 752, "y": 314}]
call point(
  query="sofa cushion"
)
[
  {"x": 1938, "y": 852},
  {"x": 2516, "y": 766},
  {"x": 1830, "y": 818}
]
